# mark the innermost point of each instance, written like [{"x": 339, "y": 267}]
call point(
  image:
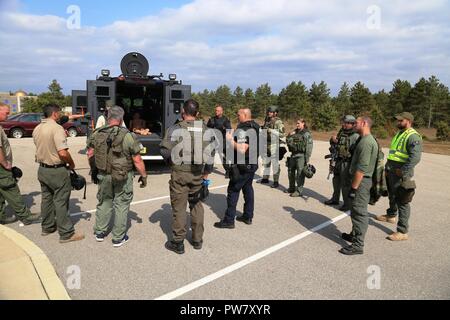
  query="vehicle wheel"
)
[
  {"x": 17, "y": 133},
  {"x": 72, "y": 132}
]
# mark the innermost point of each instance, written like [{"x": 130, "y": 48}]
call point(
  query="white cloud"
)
[{"x": 246, "y": 43}]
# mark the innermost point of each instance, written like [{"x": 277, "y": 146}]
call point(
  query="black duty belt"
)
[{"x": 54, "y": 166}]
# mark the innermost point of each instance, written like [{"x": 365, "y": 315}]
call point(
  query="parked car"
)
[{"x": 22, "y": 125}]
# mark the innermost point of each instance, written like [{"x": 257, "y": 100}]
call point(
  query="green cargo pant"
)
[
  {"x": 342, "y": 182},
  {"x": 359, "y": 214},
  {"x": 113, "y": 197},
  {"x": 182, "y": 184},
  {"x": 9, "y": 191},
  {"x": 56, "y": 188},
  {"x": 404, "y": 210},
  {"x": 295, "y": 173}
]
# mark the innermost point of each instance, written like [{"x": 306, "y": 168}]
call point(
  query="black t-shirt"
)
[
  {"x": 248, "y": 133},
  {"x": 221, "y": 124}
]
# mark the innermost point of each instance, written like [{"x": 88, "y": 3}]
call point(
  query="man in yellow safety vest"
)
[{"x": 404, "y": 154}]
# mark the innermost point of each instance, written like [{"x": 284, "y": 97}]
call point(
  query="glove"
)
[
  {"x": 206, "y": 182},
  {"x": 352, "y": 193},
  {"x": 143, "y": 181}
]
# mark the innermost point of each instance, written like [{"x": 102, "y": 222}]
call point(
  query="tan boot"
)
[
  {"x": 386, "y": 218},
  {"x": 74, "y": 237},
  {"x": 398, "y": 236}
]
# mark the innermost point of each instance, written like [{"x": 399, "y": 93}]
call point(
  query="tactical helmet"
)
[
  {"x": 349, "y": 118},
  {"x": 309, "y": 171},
  {"x": 272, "y": 109},
  {"x": 78, "y": 182}
]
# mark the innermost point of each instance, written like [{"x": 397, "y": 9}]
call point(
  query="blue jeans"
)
[{"x": 244, "y": 183}]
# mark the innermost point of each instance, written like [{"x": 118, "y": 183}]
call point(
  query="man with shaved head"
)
[
  {"x": 362, "y": 167},
  {"x": 244, "y": 142}
]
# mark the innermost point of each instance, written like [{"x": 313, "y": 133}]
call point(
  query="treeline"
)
[
  {"x": 54, "y": 95},
  {"x": 428, "y": 100}
]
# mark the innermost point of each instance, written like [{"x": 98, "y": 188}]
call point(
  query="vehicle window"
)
[
  {"x": 28, "y": 118},
  {"x": 37, "y": 118},
  {"x": 14, "y": 117}
]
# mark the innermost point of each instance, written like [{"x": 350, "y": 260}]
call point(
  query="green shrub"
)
[
  {"x": 380, "y": 133},
  {"x": 443, "y": 131}
]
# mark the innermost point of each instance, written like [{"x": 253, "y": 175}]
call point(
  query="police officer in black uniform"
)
[
  {"x": 242, "y": 171},
  {"x": 221, "y": 123}
]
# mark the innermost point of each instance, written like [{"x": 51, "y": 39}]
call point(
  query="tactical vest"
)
[
  {"x": 109, "y": 155},
  {"x": 297, "y": 142},
  {"x": 398, "y": 152},
  {"x": 270, "y": 125},
  {"x": 189, "y": 154},
  {"x": 343, "y": 147}
]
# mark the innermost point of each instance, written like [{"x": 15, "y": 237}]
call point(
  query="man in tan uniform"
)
[
  {"x": 9, "y": 190},
  {"x": 54, "y": 158}
]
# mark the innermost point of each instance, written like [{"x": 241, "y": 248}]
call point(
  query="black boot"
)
[
  {"x": 8, "y": 220},
  {"x": 177, "y": 247},
  {"x": 351, "y": 250},
  {"x": 275, "y": 185},
  {"x": 32, "y": 219},
  {"x": 347, "y": 237},
  {"x": 263, "y": 181},
  {"x": 331, "y": 202}
]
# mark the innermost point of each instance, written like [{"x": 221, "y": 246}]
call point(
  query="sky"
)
[{"x": 243, "y": 43}]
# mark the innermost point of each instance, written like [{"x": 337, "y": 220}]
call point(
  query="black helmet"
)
[
  {"x": 78, "y": 182},
  {"x": 17, "y": 173},
  {"x": 309, "y": 171}
]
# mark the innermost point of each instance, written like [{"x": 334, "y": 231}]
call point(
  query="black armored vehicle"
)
[{"x": 157, "y": 101}]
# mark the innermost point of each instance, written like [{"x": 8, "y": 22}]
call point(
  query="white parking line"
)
[
  {"x": 140, "y": 202},
  {"x": 242, "y": 263}
]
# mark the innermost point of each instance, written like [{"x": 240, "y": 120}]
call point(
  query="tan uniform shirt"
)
[
  {"x": 4, "y": 144},
  {"x": 49, "y": 138}
]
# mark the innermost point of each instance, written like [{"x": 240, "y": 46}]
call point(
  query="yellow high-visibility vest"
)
[{"x": 398, "y": 150}]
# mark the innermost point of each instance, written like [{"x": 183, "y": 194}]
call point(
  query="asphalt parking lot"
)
[{"x": 290, "y": 251}]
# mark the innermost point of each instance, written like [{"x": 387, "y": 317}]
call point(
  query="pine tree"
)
[
  {"x": 361, "y": 98},
  {"x": 343, "y": 102},
  {"x": 398, "y": 97},
  {"x": 249, "y": 99},
  {"x": 263, "y": 99},
  {"x": 325, "y": 117},
  {"x": 294, "y": 101},
  {"x": 417, "y": 102}
]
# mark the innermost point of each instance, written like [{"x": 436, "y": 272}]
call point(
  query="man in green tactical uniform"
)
[
  {"x": 113, "y": 152},
  {"x": 345, "y": 142},
  {"x": 52, "y": 154},
  {"x": 404, "y": 154},
  {"x": 275, "y": 134},
  {"x": 9, "y": 190},
  {"x": 361, "y": 171},
  {"x": 300, "y": 145},
  {"x": 183, "y": 147}
]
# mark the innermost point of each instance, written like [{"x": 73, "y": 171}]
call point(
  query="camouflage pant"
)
[{"x": 271, "y": 160}]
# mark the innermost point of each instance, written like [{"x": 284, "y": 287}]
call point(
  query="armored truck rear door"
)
[
  {"x": 176, "y": 95},
  {"x": 98, "y": 92}
]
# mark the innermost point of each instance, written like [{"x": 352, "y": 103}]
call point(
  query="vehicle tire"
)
[
  {"x": 72, "y": 132},
  {"x": 17, "y": 133}
]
